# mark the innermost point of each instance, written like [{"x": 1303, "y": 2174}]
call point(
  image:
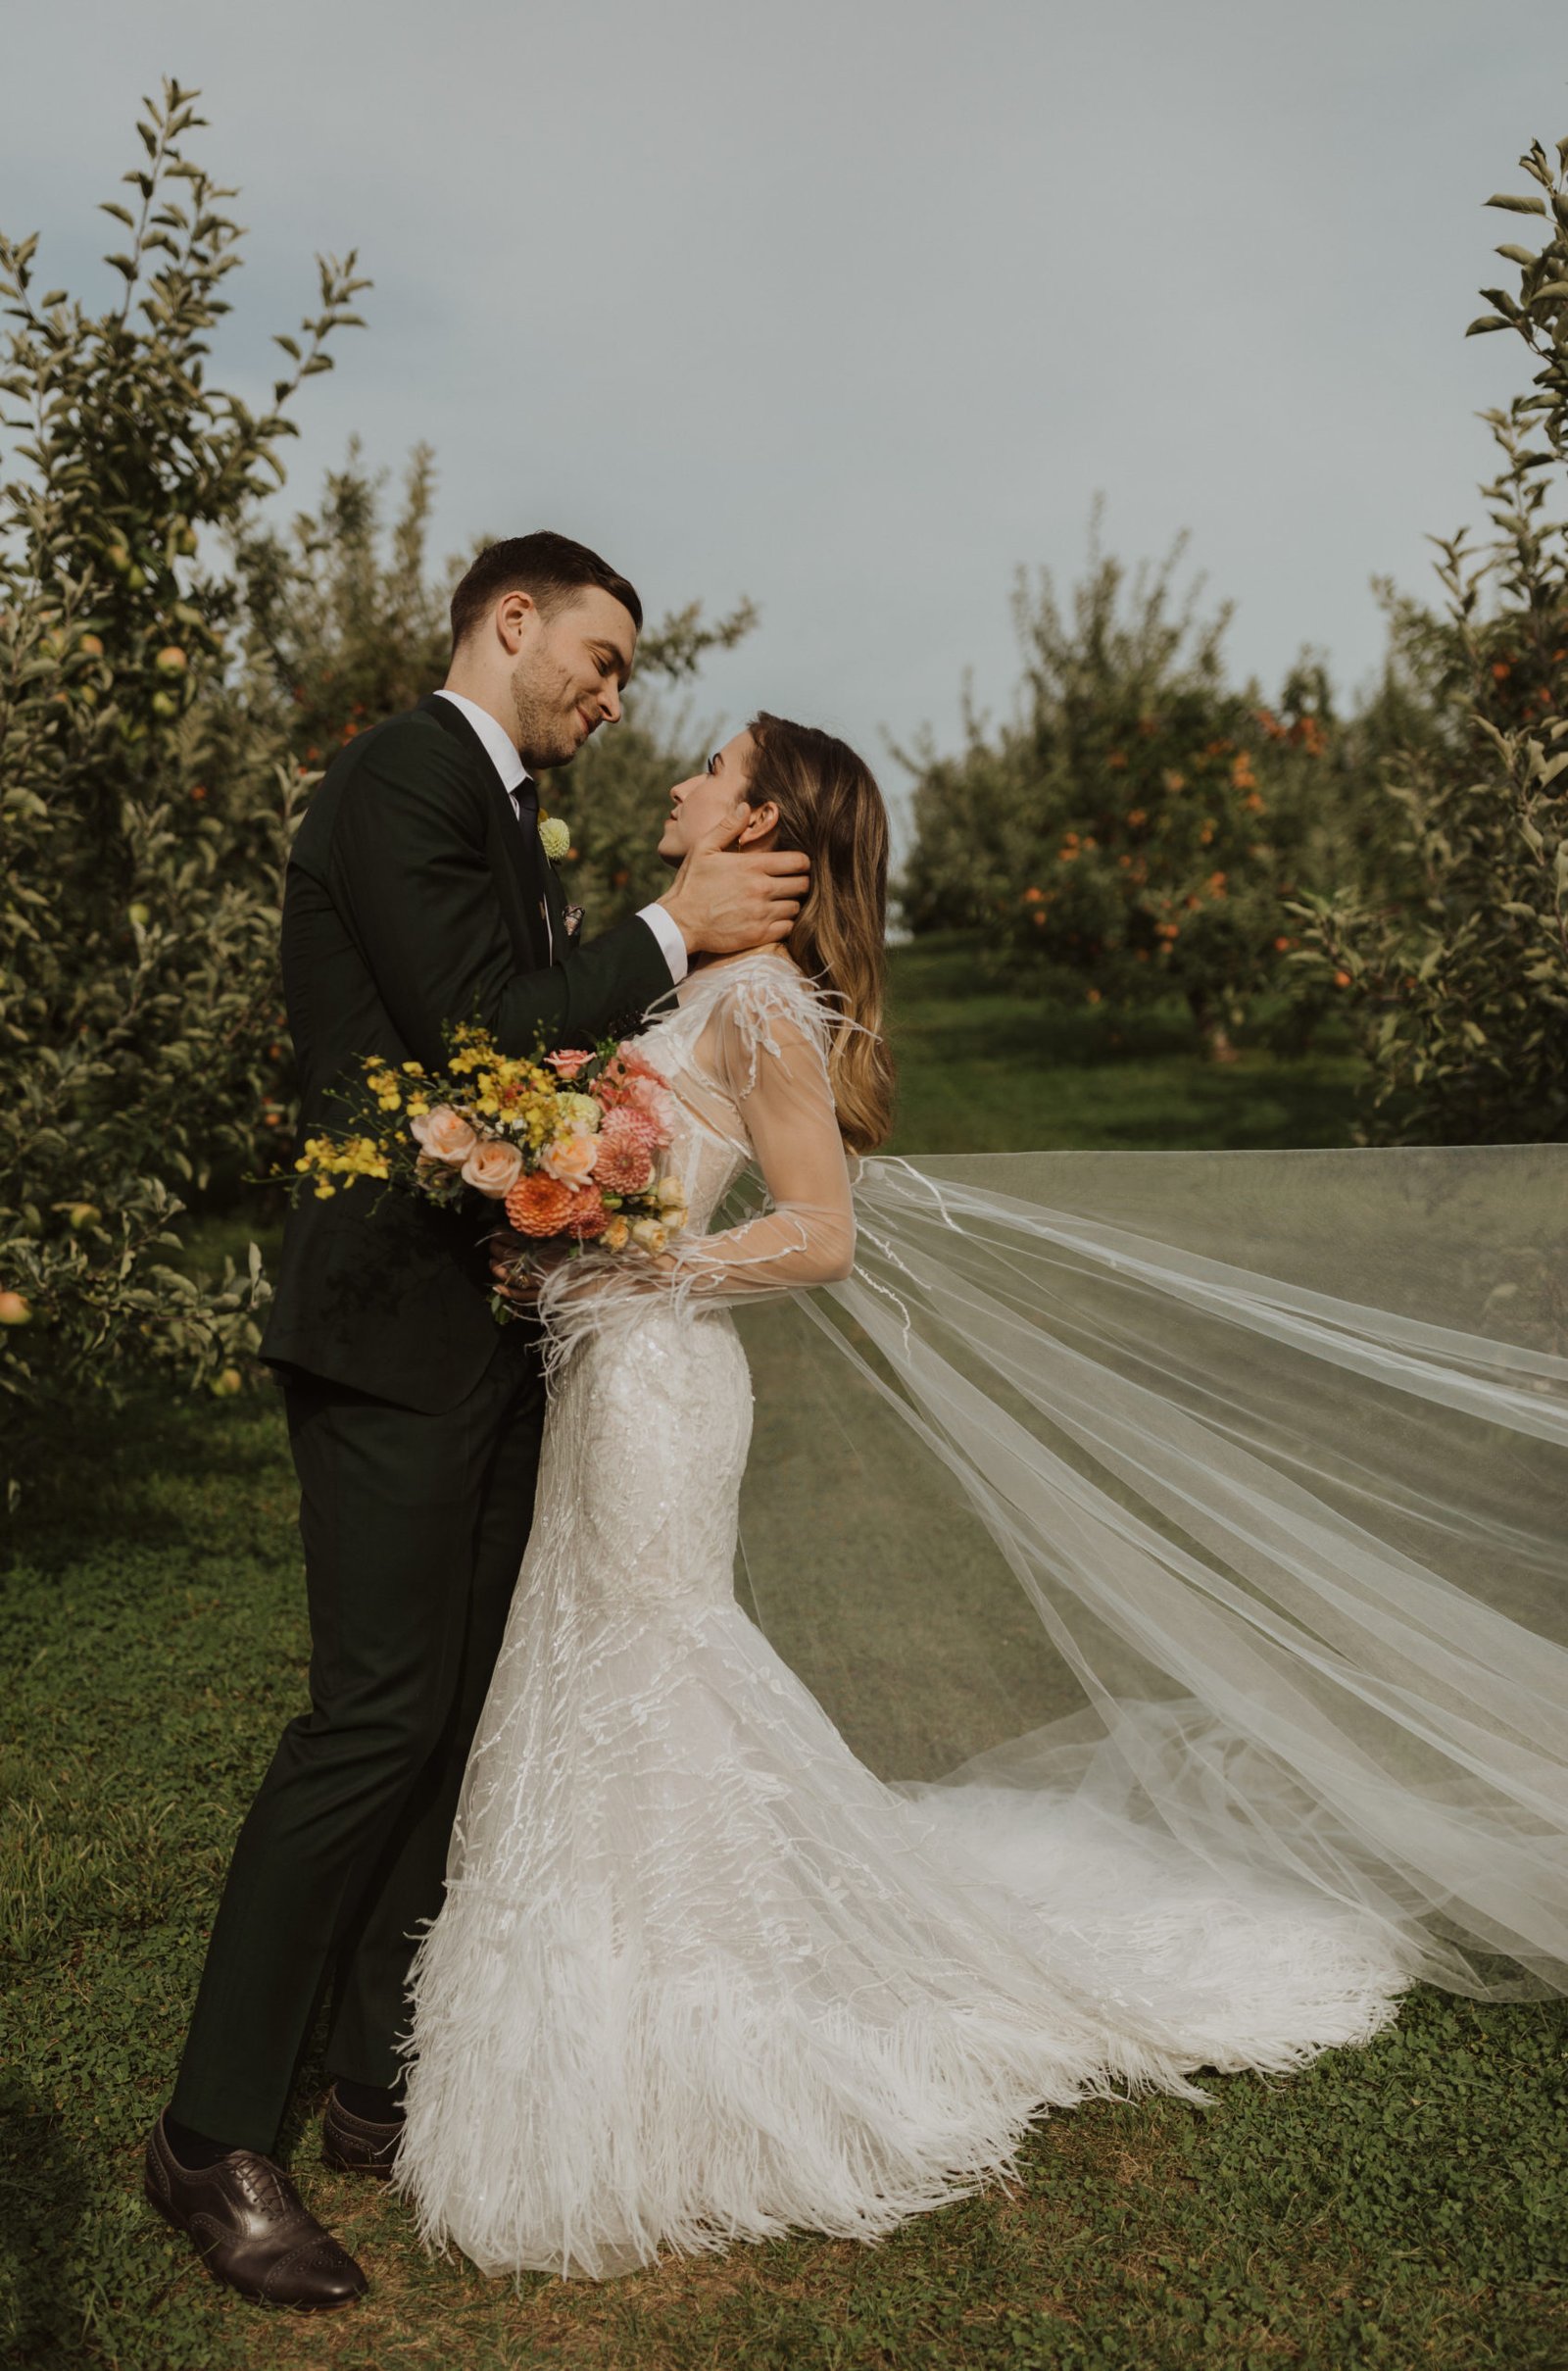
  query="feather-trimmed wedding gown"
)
[{"x": 699, "y": 1975}]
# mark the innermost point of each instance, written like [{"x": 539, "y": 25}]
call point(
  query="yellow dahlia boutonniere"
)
[{"x": 554, "y": 838}]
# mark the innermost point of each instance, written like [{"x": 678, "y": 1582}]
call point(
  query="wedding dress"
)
[{"x": 701, "y": 1974}]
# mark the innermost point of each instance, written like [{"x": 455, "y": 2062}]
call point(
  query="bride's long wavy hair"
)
[{"x": 831, "y": 811}]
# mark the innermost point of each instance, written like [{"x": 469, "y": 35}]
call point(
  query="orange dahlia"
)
[
  {"x": 539, "y": 1204},
  {"x": 588, "y": 1216}
]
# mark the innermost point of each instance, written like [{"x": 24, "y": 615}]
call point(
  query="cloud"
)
[{"x": 855, "y": 309}]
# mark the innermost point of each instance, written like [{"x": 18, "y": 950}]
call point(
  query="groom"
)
[{"x": 419, "y": 895}]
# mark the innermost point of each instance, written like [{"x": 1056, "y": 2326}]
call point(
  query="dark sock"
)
[
  {"x": 374, "y": 2102},
  {"x": 193, "y": 2150}
]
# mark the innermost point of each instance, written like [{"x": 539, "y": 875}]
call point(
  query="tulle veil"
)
[{"x": 1222, "y": 1493}]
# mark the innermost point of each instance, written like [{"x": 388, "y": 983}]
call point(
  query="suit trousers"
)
[{"x": 414, "y": 1528}]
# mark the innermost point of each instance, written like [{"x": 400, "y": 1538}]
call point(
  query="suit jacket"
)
[{"x": 414, "y": 901}]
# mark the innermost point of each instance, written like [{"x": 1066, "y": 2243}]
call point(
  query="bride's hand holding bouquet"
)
[{"x": 566, "y": 1144}]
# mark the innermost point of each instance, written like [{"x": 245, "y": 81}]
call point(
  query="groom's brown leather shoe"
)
[
  {"x": 252, "y": 2229},
  {"x": 352, "y": 2143}
]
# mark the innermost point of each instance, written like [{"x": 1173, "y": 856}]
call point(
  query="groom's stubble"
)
[{"x": 544, "y": 711}]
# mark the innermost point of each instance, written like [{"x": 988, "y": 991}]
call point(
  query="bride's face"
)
[{"x": 715, "y": 799}]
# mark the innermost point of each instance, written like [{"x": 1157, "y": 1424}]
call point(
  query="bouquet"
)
[{"x": 566, "y": 1144}]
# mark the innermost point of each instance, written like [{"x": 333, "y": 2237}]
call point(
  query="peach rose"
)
[
  {"x": 570, "y": 1158},
  {"x": 445, "y": 1135},
  {"x": 494, "y": 1167},
  {"x": 569, "y": 1061}
]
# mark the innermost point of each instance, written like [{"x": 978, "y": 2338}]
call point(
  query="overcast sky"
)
[{"x": 853, "y": 305}]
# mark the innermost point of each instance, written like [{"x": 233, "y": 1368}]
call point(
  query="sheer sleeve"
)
[
  {"x": 774, "y": 1069},
  {"x": 758, "y": 1077}
]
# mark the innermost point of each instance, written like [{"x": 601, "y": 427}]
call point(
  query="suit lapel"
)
[{"x": 515, "y": 865}]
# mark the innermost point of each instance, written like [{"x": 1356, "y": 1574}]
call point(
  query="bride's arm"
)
[
  {"x": 777, "y": 1082},
  {"x": 779, "y": 1085}
]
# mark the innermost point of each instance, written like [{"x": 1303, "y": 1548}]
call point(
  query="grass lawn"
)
[
  {"x": 1402, "y": 2205},
  {"x": 984, "y": 1069}
]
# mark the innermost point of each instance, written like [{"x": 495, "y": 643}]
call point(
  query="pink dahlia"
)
[
  {"x": 648, "y": 1094},
  {"x": 626, "y": 1144}
]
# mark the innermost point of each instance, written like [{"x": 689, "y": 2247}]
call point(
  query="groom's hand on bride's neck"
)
[{"x": 726, "y": 898}]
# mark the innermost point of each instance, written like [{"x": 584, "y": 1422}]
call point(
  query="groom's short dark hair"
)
[{"x": 548, "y": 567}]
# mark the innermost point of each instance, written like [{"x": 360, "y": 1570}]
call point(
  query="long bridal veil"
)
[{"x": 1219, "y": 1501}]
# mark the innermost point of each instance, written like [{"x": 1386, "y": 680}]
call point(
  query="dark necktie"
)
[{"x": 525, "y": 804}]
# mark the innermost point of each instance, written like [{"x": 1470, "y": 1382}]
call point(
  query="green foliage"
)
[
  {"x": 1403, "y": 2204},
  {"x": 147, "y": 794},
  {"x": 174, "y": 670},
  {"x": 347, "y": 621},
  {"x": 1136, "y": 822},
  {"x": 1460, "y": 979}
]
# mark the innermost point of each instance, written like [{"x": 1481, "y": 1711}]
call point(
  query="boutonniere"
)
[{"x": 555, "y": 837}]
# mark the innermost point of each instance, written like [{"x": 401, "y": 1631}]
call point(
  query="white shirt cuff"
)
[{"x": 668, "y": 933}]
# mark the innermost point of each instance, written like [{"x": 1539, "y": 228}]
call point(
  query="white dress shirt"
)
[{"x": 507, "y": 760}]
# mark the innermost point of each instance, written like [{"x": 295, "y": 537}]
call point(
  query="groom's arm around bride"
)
[{"x": 420, "y": 896}]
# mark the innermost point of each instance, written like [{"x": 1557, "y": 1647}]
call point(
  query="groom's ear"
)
[{"x": 511, "y": 616}]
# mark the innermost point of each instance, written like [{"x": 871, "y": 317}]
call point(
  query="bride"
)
[{"x": 702, "y": 1975}]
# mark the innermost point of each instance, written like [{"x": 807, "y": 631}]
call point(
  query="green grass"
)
[
  {"x": 987, "y": 1068},
  {"x": 1402, "y": 2205}
]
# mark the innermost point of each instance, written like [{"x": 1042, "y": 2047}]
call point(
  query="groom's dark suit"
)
[{"x": 415, "y": 899}]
